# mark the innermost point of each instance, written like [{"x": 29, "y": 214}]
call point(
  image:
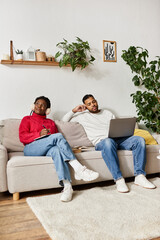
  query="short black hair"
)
[
  {"x": 45, "y": 99},
  {"x": 86, "y": 97}
]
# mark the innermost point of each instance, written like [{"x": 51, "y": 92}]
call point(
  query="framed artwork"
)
[{"x": 109, "y": 51}]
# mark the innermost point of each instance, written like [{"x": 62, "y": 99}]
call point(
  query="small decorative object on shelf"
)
[
  {"x": 77, "y": 54},
  {"x": 11, "y": 50},
  {"x": 40, "y": 56},
  {"x": 19, "y": 55},
  {"x": 30, "y": 56},
  {"x": 6, "y": 57},
  {"x": 50, "y": 58}
]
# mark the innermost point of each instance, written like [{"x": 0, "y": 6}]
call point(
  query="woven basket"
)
[{"x": 40, "y": 56}]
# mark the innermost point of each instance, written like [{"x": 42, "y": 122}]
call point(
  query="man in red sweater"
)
[{"x": 41, "y": 138}]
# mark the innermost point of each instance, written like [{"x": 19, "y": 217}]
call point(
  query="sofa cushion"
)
[
  {"x": 18, "y": 158},
  {"x": 149, "y": 139},
  {"x": 74, "y": 133},
  {"x": 10, "y": 135}
]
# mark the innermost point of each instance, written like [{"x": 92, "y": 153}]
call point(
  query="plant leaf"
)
[{"x": 58, "y": 54}]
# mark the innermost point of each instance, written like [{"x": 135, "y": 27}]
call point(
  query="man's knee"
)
[
  {"x": 139, "y": 140},
  {"x": 109, "y": 142}
]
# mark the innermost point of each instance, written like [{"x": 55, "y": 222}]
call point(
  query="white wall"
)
[{"x": 42, "y": 24}]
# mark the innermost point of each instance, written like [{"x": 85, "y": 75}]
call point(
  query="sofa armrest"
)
[
  {"x": 3, "y": 168},
  {"x": 156, "y": 137}
]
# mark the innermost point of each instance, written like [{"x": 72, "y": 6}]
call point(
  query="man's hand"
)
[
  {"x": 79, "y": 108},
  {"x": 44, "y": 132}
]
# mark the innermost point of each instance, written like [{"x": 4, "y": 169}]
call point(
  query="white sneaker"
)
[
  {"x": 142, "y": 181},
  {"x": 86, "y": 174},
  {"x": 67, "y": 194},
  {"x": 121, "y": 186}
]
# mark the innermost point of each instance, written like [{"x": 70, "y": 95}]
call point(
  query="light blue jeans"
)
[
  {"x": 58, "y": 148},
  {"x": 109, "y": 147}
]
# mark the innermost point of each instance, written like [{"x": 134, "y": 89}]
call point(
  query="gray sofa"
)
[{"x": 19, "y": 173}]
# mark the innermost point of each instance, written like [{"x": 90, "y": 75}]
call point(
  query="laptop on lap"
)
[{"x": 122, "y": 127}]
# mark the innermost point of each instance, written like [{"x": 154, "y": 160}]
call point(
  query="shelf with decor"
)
[
  {"x": 18, "y": 62},
  {"x": 73, "y": 55},
  {"x": 41, "y": 60}
]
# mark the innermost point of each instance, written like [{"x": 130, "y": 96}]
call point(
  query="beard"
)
[{"x": 94, "y": 109}]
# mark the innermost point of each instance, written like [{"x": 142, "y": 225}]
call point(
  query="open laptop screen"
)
[{"x": 122, "y": 127}]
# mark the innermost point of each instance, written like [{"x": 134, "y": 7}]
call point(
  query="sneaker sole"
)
[
  {"x": 123, "y": 192},
  {"x": 144, "y": 187},
  {"x": 86, "y": 180},
  {"x": 62, "y": 200}
]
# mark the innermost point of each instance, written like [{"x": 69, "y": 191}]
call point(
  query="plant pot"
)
[{"x": 19, "y": 57}]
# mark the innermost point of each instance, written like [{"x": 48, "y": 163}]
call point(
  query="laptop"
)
[{"x": 122, "y": 127}]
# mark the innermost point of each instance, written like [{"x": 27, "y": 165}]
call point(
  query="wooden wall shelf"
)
[{"x": 42, "y": 63}]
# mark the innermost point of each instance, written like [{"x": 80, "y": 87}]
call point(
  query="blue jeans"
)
[
  {"x": 109, "y": 147},
  {"x": 58, "y": 148}
]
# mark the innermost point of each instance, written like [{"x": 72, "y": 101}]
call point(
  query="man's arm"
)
[{"x": 70, "y": 115}]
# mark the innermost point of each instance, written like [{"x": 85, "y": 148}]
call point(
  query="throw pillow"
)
[
  {"x": 10, "y": 133},
  {"x": 149, "y": 139},
  {"x": 74, "y": 133}
]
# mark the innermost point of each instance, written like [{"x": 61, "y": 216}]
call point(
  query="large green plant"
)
[
  {"x": 77, "y": 54},
  {"x": 147, "y": 101}
]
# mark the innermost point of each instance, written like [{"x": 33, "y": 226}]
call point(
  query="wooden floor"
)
[{"x": 17, "y": 221}]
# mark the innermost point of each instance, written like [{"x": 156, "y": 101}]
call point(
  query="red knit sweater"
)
[{"x": 31, "y": 127}]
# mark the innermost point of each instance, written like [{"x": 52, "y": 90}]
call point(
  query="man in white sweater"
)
[{"x": 96, "y": 124}]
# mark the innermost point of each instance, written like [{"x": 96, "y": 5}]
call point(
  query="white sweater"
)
[{"x": 96, "y": 125}]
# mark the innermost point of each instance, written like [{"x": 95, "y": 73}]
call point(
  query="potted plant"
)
[
  {"x": 147, "y": 77},
  {"x": 77, "y": 54},
  {"x": 19, "y": 54}
]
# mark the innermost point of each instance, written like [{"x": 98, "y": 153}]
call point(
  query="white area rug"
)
[{"x": 101, "y": 213}]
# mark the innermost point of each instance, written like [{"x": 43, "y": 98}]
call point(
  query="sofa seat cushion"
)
[
  {"x": 97, "y": 154},
  {"x": 17, "y": 159}
]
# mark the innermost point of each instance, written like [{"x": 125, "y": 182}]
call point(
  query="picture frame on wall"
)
[{"x": 109, "y": 51}]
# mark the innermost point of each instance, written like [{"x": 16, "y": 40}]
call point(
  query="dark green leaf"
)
[{"x": 58, "y": 54}]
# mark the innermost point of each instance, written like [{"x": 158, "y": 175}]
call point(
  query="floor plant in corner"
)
[
  {"x": 77, "y": 54},
  {"x": 147, "y": 78}
]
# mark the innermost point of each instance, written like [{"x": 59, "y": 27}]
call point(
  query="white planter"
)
[{"x": 19, "y": 57}]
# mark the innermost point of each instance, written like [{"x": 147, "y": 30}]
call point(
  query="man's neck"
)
[{"x": 95, "y": 112}]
